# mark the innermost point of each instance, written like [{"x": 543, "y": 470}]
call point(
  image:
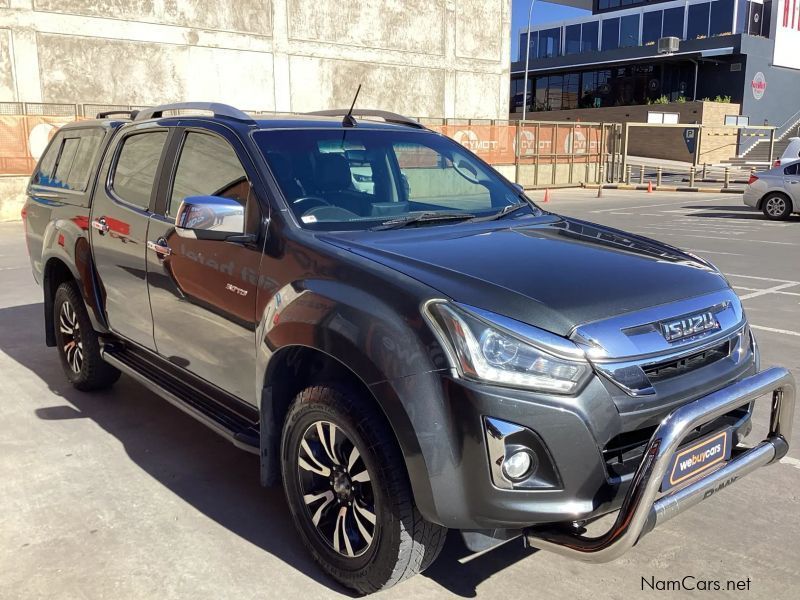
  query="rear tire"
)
[
  {"x": 776, "y": 207},
  {"x": 349, "y": 494},
  {"x": 78, "y": 344}
]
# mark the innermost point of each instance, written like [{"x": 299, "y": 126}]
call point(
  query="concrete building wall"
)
[{"x": 429, "y": 58}]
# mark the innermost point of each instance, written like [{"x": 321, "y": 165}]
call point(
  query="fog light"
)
[{"x": 518, "y": 465}]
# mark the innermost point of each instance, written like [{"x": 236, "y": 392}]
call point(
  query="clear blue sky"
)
[{"x": 543, "y": 12}]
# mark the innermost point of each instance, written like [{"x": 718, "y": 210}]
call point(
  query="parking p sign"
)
[{"x": 690, "y": 137}]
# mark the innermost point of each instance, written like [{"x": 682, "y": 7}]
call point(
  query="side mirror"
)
[{"x": 210, "y": 218}]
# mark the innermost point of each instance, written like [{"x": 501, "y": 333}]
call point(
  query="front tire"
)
[
  {"x": 349, "y": 494},
  {"x": 78, "y": 344},
  {"x": 776, "y": 207}
]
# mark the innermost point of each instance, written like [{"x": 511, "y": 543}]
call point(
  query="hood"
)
[{"x": 551, "y": 272}]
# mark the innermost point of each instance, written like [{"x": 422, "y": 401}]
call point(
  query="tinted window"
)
[
  {"x": 721, "y": 17},
  {"x": 697, "y": 22},
  {"x": 651, "y": 27},
  {"x": 84, "y": 160},
  {"x": 549, "y": 43},
  {"x": 673, "y": 22},
  {"x": 589, "y": 33},
  {"x": 44, "y": 174},
  {"x": 791, "y": 169},
  {"x": 68, "y": 149},
  {"x": 629, "y": 31},
  {"x": 572, "y": 39},
  {"x": 356, "y": 178},
  {"x": 68, "y": 161},
  {"x": 207, "y": 166},
  {"x": 611, "y": 34},
  {"x": 136, "y": 167}
]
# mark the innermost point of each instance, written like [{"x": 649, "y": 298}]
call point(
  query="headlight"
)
[{"x": 485, "y": 348}]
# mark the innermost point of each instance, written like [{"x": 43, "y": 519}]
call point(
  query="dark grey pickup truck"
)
[{"x": 405, "y": 340}]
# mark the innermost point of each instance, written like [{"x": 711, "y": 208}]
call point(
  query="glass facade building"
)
[{"x": 566, "y": 69}]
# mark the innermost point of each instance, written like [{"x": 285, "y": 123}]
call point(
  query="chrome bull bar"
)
[{"x": 641, "y": 510}]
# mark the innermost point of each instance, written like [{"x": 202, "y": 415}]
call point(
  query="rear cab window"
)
[{"x": 68, "y": 162}]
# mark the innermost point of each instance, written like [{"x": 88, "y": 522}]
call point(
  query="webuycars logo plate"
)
[{"x": 698, "y": 457}]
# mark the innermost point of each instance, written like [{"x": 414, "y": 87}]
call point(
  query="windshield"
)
[{"x": 339, "y": 179}]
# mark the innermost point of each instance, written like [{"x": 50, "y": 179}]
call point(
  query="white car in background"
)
[
  {"x": 775, "y": 192},
  {"x": 791, "y": 153}
]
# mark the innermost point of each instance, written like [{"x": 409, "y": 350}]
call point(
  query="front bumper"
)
[{"x": 642, "y": 510}]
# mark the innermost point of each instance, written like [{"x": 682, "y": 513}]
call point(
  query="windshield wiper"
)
[
  {"x": 426, "y": 217},
  {"x": 506, "y": 210}
]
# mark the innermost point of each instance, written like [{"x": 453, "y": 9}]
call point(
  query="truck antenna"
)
[{"x": 348, "y": 120}]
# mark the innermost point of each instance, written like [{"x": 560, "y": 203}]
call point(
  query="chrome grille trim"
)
[
  {"x": 631, "y": 376},
  {"x": 637, "y": 334}
]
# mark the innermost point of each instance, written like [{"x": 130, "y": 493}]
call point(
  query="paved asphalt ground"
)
[{"x": 119, "y": 495}]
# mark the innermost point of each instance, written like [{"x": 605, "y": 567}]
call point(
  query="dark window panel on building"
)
[
  {"x": 697, "y": 21},
  {"x": 534, "y": 46},
  {"x": 651, "y": 27},
  {"x": 721, "y": 22},
  {"x": 549, "y": 43},
  {"x": 673, "y": 22},
  {"x": 589, "y": 33},
  {"x": 555, "y": 92},
  {"x": 572, "y": 39},
  {"x": 629, "y": 31},
  {"x": 571, "y": 88},
  {"x": 610, "y": 34}
]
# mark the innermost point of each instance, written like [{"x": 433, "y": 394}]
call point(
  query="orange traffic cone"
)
[
  {"x": 546, "y": 195},
  {"x": 649, "y": 187}
]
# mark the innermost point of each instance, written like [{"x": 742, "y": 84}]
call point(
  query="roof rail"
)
[
  {"x": 130, "y": 113},
  {"x": 219, "y": 110},
  {"x": 389, "y": 117}
]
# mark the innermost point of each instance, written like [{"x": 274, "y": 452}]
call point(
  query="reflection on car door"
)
[
  {"x": 203, "y": 292},
  {"x": 119, "y": 221}
]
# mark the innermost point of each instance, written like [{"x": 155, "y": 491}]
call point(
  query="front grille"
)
[
  {"x": 673, "y": 368},
  {"x": 624, "y": 452}
]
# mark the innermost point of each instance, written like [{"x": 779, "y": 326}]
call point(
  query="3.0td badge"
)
[{"x": 689, "y": 326}]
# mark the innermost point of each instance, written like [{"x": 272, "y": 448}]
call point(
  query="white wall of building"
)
[{"x": 430, "y": 58}]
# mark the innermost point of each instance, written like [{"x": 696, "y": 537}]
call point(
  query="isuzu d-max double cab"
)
[{"x": 405, "y": 340}]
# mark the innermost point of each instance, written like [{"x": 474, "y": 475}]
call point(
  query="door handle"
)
[
  {"x": 160, "y": 248},
  {"x": 101, "y": 225}
]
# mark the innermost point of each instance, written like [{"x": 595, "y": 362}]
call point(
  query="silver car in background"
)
[{"x": 775, "y": 192}]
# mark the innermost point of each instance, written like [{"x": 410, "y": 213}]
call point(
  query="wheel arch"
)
[{"x": 295, "y": 367}]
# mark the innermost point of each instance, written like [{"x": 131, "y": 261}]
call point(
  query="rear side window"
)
[
  {"x": 791, "y": 169},
  {"x": 68, "y": 161},
  {"x": 136, "y": 166}
]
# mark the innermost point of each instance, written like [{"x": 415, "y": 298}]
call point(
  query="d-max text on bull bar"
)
[{"x": 407, "y": 342}]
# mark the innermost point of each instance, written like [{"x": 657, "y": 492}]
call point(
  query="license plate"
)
[{"x": 698, "y": 456}]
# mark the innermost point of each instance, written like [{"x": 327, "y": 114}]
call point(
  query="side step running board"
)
[{"x": 240, "y": 431}]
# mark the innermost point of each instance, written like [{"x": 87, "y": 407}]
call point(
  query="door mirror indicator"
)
[{"x": 210, "y": 218}]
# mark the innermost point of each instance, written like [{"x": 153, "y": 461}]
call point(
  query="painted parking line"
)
[
  {"x": 770, "y": 290},
  {"x": 761, "y": 278},
  {"x": 773, "y": 330},
  {"x": 792, "y": 462},
  {"x": 711, "y": 237},
  {"x": 704, "y": 230},
  {"x": 604, "y": 210},
  {"x": 766, "y": 291},
  {"x": 713, "y": 252}
]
